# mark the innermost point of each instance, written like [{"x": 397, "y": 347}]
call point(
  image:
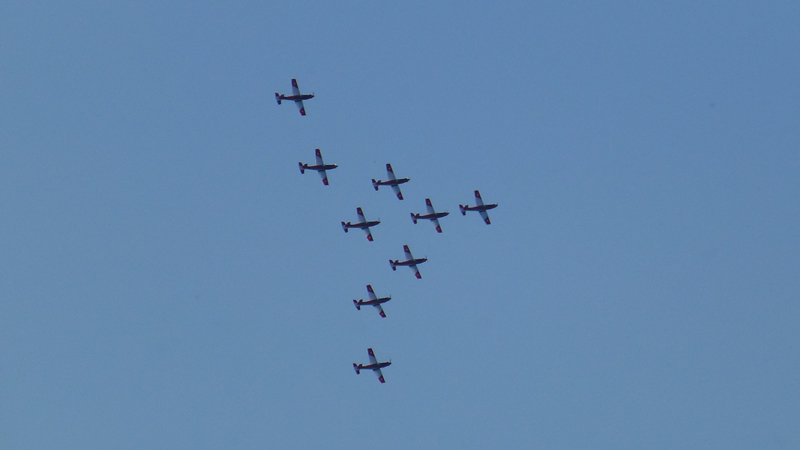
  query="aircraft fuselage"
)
[
  {"x": 410, "y": 262},
  {"x": 480, "y": 208},
  {"x": 438, "y": 215},
  {"x": 392, "y": 182},
  {"x": 377, "y": 301},
  {"x": 296, "y": 98},
  {"x": 362, "y": 224},
  {"x": 375, "y": 366},
  {"x": 320, "y": 167}
]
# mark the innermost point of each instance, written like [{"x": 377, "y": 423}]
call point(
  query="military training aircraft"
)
[
  {"x": 320, "y": 167},
  {"x": 432, "y": 215},
  {"x": 296, "y": 97},
  {"x": 410, "y": 262},
  {"x": 392, "y": 181},
  {"x": 481, "y": 208},
  {"x": 374, "y": 300},
  {"x": 362, "y": 223},
  {"x": 373, "y": 365}
]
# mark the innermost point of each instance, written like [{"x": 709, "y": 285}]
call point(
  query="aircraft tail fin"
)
[
  {"x": 278, "y": 98},
  {"x": 463, "y": 210},
  {"x": 414, "y": 218},
  {"x": 302, "y": 169},
  {"x": 374, "y": 184},
  {"x": 391, "y": 263},
  {"x": 344, "y": 227},
  {"x": 355, "y": 302},
  {"x": 355, "y": 367}
]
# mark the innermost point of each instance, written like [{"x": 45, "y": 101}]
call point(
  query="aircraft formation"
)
[{"x": 392, "y": 181}]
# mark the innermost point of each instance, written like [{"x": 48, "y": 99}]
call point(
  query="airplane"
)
[
  {"x": 374, "y": 300},
  {"x": 362, "y": 223},
  {"x": 320, "y": 167},
  {"x": 392, "y": 181},
  {"x": 432, "y": 215},
  {"x": 296, "y": 96},
  {"x": 481, "y": 208},
  {"x": 410, "y": 262},
  {"x": 373, "y": 365}
]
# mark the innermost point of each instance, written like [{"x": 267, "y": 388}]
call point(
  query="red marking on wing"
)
[
  {"x": 318, "y": 153},
  {"x": 405, "y": 248},
  {"x": 359, "y": 211},
  {"x": 325, "y": 181},
  {"x": 418, "y": 275},
  {"x": 369, "y": 288},
  {"x": 369, "y": 237},
  {"x": 381, "y": 379},
  {"x": 400, "y": 195},
  {"x": 439, "y": 229},
  {"x": 369, "y": 351},
  {"x": 428, "y": 202},
  {"x": 294, "y": 82},
  {"x": 303, "y": 111},
  {"x": 383, "y": 314}
]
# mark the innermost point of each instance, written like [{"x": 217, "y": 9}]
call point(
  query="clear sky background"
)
[{"x": 169, "y": 280}]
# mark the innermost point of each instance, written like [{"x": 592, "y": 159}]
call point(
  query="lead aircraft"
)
[
  {"x": 374, "y": 300},
  {"x": 481, "y": 208},
  {"x": 432, "y": 215},
  {"x": 392, "y": 181},
  {"x": 410, "y": 262},
  {"x": 320, "y": 167},
  {"x": 362, "y": 223},
  {"x": 296, "y": 97},
  {"x": 373, "y": 365}
]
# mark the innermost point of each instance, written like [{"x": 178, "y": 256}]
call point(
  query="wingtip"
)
[
  {"x": 418, "y": 275},
  {"x": 383, "y": 314},
  {"x": 325, "y": 181}
]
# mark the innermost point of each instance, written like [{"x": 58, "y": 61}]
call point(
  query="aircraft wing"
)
[
  {"x": 380, "y": 310},
  {"x": 372, "y": 295},
  {"x": 416, "y": 271},
  {"x": 407, "y": 252},
  {"x": 324, "y": 175},
  {"x": 478, "y": 199},
  {"x": 318, "y": 154},
  {"x": 360, "y": 215},
  {"x": 368, "y": 234},
  {"x": 372, "y": 359},
  {"x": 429, "y": 205},
  {"x": 300, "y": 107},
  {"x": 397, "y": 192},
  {"x": 390, "y": 172},
  {"x": 295, "y": 88},
  {"x": 380, "y": 375},
  {"x": 438, "y": 227},
  {"x": 485, "y": 216}
]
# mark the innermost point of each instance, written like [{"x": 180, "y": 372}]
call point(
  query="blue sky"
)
[{"x": 168, "y": 279}]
